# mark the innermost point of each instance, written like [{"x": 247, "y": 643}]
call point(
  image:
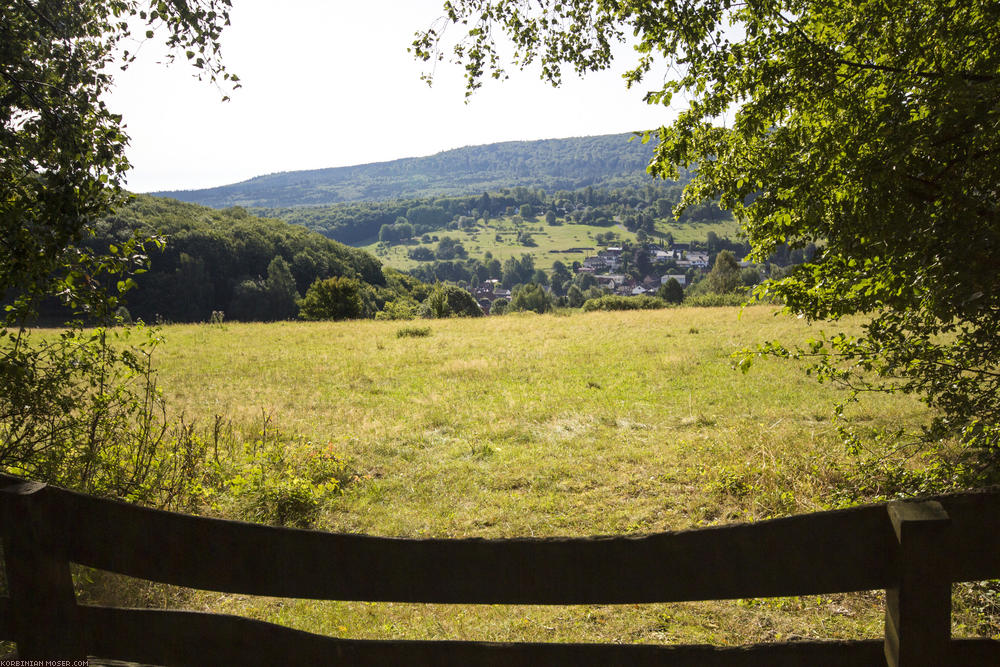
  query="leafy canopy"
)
[
  {"x": 336, "y": 298},
  {"x": 62, "y": 151},
  {"x": 868, "y": 127},
  {"x": 81, "y": 409}
]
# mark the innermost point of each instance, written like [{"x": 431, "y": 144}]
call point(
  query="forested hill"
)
[
  {"x": 227, "y": 261},
  {"x": 552, "y": 164}
]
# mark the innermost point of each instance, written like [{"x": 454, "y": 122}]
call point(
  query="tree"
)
[
  {"x": 530, "y": 297},
  {"x": 643, "y": 262},
  {"x": 725, "y": 275},
  {"x": 517, "y": 271},
  {"x": 427, "y": 216},
  {"x": 62, "y": 152},
  {"x": 449, "y": 248},
  {"x": 451, "y": 301},
  {"x": 671, "y": 291},
  {"x": 750, "y": 276},
  {"x": 485, "y": 206},
  {"x": 249, "y": 302},
  {"x": 336, "y": 298},
  {"x": 878, "y": 144},
  {"x": 561, "y": 278},
  {"x": 281, "y": 293},
  {"x": 77, "y": 409},
  {"x": 575, "y": 296}
]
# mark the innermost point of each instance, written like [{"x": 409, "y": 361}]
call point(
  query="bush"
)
[
  {"x": 613, "y": 302},
  {"x": 332, "y": 299},
  {"x": 288, "y": 502},
  {"x": 499, "y": 306},
  {"x": 413, "y": 332},
  {"x": 270, "y": 478},
  {"x": 451, "y": 301},
  {"x": 421, "y": 254},
  {"x": 671, "y": 291},
  {"x": 402, "y": 308},
  {"x": 715, "y": 300},
  {"x": 530, "y": 297}
]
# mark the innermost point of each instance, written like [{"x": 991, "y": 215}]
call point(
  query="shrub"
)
[
  {"x": 530, "y": 297},
  {"x": 499, "y": 306},
  {"x": 332, "y": 299},
  {"x": 271, "y": 478},
  {"x": 287, "y": 502},
  {"x": 613, "y": 302},
  {"x": 402, "y": 308},
  {"x": 671, "y": 291},
  {"x": 451, "y": 301},
  {"x": 716, "y": 300},
  {"x": 413, "y": 332}
]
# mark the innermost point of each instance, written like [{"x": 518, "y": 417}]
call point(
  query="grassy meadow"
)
[
  {"x": 598, "y": 423},
  {"x": 499, "y": 237},
  {"x": 530, "y": 425}
]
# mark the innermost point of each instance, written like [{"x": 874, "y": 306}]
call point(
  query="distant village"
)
[{"x": 607, "y": 269}]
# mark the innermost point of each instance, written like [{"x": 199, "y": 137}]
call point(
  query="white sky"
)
[{"x": 330, "y": 83}]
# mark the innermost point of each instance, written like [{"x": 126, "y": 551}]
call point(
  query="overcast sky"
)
[{"x": 329, "y": 84}]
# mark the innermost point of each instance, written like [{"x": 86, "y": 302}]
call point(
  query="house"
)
[
  {"x": 596, "y": 263},
  {"x": 698, "y": 259},
  {"x": 612, "y": 259},
  {"x": 610, "y": 280},
  {"x": 679, "y": 277}
]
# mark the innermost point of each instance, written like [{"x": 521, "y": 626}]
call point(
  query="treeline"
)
[
  {"x": 552, "y": 164},
  {"x": 392, "y": 222},
  {"x": 231, "y": 262}
]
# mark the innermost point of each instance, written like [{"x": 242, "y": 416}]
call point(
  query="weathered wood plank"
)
[
  {"x": 6, "y": 622},
  {"x": 975, "y": 534},
  {"x": 834, "y": 552},
  {"x": 974, "y": 653},
  {"x": 43, "y": 612},
  {"x": 191, "y": 638},
  {"x": 918, "y": 603}
]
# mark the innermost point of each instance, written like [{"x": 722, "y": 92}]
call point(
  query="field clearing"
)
[
  {"x": 479, "y": 240},
  {"x": 597, "y": 423}
]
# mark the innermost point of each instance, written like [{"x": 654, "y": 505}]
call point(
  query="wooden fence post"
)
[
  {"x": 918, "y": 606},
  {"x": 44, "y": 615}
]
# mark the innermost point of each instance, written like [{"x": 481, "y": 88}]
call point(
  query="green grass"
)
[
  {"x": 482, "y": 239},
  {"x": 686, "y": 232},
  {"x": 597, "y": 423}
]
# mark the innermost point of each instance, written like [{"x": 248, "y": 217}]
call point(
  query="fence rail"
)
[{"x": 913, "y": 550}]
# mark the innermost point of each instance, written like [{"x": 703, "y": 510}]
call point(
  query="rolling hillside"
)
[{"x": 552, "y": 164}]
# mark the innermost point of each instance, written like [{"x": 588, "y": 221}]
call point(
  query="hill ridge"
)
[{"x": 552, "y": 164}]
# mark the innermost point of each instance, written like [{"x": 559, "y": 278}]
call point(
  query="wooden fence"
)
[{"x": 913, "y": 550}]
